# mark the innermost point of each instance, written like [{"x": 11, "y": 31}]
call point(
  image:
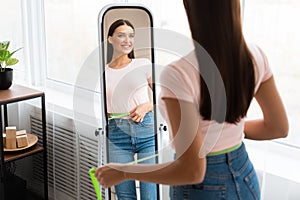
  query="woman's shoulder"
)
[
  {"x": 182, "y": 70},
  {"x": 187, "y": 64},
  {"x": 179, "y": 79},
  {"x": 257, "y": 53},
  {"x": 262, "y": 67}
]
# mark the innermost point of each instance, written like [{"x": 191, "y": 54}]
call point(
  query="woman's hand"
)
[
  {"x": 109, "y": 175},
  {"x": 139, "y": 112}
]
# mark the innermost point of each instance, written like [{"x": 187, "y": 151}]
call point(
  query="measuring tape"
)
[{"x": 96, "y": 183}]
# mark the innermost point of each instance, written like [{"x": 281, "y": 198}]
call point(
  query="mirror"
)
[{"x": 128, "y": 97}]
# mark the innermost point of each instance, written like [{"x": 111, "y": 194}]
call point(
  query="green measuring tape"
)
[
  {"x": 118, "y": 115},
  {"x": 96, "y": 183}
]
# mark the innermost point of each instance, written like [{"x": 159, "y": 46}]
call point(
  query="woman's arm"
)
[
  {"x": 188, "y": 168},
  {"x": 274, "y": 123}
]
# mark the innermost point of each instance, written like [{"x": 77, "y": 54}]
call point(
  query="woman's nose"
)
[{"x": 127, "y": 39}]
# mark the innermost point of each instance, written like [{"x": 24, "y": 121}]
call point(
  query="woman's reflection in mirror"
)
[{"x": 129, "y": 106}]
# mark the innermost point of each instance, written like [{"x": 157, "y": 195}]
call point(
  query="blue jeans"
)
[
  {"x": 229, "y": 176},
  {"x": 127, "y": 138}
]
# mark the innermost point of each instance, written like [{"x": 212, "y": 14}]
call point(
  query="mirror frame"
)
[{"x": 102, "y": 63}]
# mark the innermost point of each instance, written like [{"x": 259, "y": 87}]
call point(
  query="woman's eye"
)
[{"x": 131, "y": 36}]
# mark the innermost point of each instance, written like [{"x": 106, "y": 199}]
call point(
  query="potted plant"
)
[{"x": 6, "y": 59}]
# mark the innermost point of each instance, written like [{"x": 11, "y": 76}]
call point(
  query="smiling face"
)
[{"x": 122, "y": 40}]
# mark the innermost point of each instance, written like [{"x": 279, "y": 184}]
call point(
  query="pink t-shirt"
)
[
  {"x": 181, "y": 80},
  {"x": 128, "y": 87}
]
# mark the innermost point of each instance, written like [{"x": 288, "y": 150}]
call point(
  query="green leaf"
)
[
  {"x": 4, "y": 55},
  {"x": 11, "y": 61},
  {"x": 4, "y": 45},
  {"x": 14, "y": 52},
  {"x": 1, "y": 55}
]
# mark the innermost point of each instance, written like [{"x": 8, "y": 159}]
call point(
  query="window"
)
[
  {"x": 71, "y": 35},
  {"x": 11, "y": 29},
  {"x": 273, "y": 25},
  {"x": 168, "y": 14}
]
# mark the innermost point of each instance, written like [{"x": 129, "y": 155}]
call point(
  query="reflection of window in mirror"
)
[{"x": 128, "y": 58}]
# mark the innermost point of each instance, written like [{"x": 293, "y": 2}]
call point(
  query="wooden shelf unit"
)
[{"x": 15, "y": 94}]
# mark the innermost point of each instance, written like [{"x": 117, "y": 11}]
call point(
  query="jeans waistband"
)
[{"x": 241, "y": 150}]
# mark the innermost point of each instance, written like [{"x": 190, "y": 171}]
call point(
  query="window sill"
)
[{"x": 275, "y": 158}]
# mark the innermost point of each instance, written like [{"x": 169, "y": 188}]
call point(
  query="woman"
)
[
  {"x": 129, "y": 106},
  {"x": 206, "y": 111}
]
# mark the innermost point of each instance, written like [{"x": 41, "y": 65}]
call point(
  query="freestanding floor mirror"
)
[{"x": 141, "y": 23}]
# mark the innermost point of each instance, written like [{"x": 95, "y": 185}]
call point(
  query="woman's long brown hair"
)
[{"x": 216, "y": 25}]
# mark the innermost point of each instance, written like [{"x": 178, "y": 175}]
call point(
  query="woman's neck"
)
[{"x": 119, "y": 62}]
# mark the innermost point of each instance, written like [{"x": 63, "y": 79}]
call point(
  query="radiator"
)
[{"x": 70, "y": 156}]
